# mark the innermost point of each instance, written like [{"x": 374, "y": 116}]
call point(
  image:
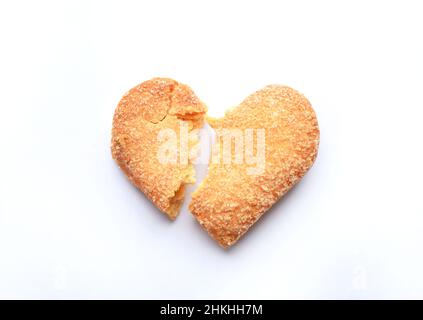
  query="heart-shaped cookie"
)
[
  {"x": 263, "y": 147},
  {"x": 277, "y": 122}
]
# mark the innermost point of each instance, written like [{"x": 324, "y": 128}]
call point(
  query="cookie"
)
[
  {"x": 277, "y": 123},
  {"x": 142, "y": 115}
]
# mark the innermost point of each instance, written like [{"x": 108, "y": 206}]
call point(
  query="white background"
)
[{"x": 72, "y": 226}]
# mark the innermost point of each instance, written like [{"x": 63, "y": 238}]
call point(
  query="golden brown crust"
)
[
  {"x": 153, "y": 105},
  {"x": 229, "y": 200}
]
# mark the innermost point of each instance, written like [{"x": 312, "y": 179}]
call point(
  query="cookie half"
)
[
  {"x": 141, "y": 121},
  {"x": 280, "y": 138}
]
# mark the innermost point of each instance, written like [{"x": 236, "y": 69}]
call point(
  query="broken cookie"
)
[{"x": 263, "y": 148}]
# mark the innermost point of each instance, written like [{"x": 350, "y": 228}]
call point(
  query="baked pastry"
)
[
  {"x": 143, "y": 113},
  {"x": 263, "y": 147},
  {"x": 236, "y": 193}
]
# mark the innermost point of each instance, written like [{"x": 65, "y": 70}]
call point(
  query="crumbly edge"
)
[{"x": 175, "y": 202}]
